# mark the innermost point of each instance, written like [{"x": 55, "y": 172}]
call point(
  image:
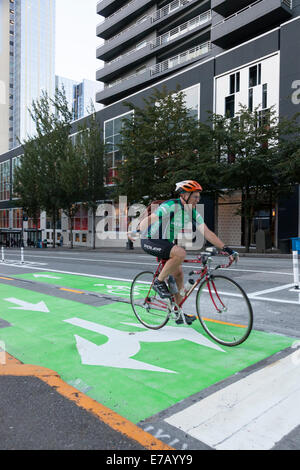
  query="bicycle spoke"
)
[
  {"x": 224, "y": 311},
  {"x": 149, "y": 308}
]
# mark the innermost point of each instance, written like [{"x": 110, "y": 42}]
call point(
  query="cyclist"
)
[{"x": 160, "y": 229}]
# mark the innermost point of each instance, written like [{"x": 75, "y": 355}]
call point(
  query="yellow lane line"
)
[{"x": 72, "y": 290}]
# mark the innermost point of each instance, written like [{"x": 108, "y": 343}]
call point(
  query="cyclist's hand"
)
[
  {"x": 133, "y": 235},
  {"x": 233, "y": 255}
]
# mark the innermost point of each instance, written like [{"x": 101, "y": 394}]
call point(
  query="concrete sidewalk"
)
[{"x": 138, "y": 250}]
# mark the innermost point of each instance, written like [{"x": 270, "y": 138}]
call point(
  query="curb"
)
[{"x": 14, "y": 367}]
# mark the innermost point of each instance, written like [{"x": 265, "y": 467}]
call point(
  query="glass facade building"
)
[
  {"x": 33, "y": 65},
  {"x": 81, "y": 96}
]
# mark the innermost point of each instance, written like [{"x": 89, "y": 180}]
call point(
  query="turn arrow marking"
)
[
  {"x": 22, "y": 305},
  {"x": 122, "y": 346}
]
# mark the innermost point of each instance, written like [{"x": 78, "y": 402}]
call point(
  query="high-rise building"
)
[
  {"x": 146, "y": 41},
  {"x": 6, "y": 46},
  {"x": 81, "y": 96},
  {"x": 31, "y": 45},
  {"x": 85, "y": 98}
]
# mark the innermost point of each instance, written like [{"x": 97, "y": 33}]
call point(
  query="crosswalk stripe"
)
[{"x": 253, "y": 413}]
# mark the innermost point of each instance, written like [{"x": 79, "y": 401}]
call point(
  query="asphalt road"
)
[
  {"x": 268, "y": 283},
  {"x": 276, "y": 310}
]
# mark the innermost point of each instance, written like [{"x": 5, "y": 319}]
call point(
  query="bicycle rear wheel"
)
[
  {"x": 152, "y": 311},
  {"x": 224, "y": 310}
]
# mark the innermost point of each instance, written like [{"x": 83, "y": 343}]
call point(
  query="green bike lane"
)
[{"x": 104, "y": 352}]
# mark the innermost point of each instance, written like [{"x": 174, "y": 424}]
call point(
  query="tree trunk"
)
[
  {"x": 54, "y": 227},
  {"x": 71, "y": 231},
  {"x": 94, "y": 228}
]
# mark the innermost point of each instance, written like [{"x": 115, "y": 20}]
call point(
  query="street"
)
[{"x": 68, "y": 311}]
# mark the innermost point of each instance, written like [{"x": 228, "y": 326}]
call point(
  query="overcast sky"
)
[{"x": 76, "y": 40}]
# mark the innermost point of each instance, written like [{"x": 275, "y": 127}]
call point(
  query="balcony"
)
[
  {"x": 247, "y": 23},
  {"x": 228, "y": 7},
  {"x": 160, "y": 18},
  {"x": 137, "y": 81},
  {"x": 122, "y": 17},
  {"x": 108, "y": 7},
  {"x": 151, "y": 48}
]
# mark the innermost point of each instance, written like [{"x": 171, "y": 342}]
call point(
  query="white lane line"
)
[
  {"x": 70, "y": 272},
  {"x": 152, "y": 264},
  {"x": 130, "y": 280},
  {"x": 268, "y": 291},
  {"x": 281, "y": 301},
  {"x": 253, "y": 413}
]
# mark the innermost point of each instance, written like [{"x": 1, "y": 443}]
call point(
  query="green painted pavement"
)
[
  {"x": 45, "y": 339},
  {"x": 73, "y": 281}
]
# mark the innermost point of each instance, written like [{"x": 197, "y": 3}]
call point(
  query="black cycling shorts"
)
[{"x": 159, "y": 248}]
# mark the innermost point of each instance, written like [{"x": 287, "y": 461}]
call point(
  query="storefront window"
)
[
  {"x": 81, "y": 220},
  {"x": 17, "y": 218},
  {"x": 4, "y": 218}
]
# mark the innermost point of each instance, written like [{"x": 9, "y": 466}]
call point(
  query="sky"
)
[{"x": 76, "y": 39}]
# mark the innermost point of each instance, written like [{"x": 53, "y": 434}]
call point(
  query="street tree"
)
[
  {"x": 91, "y": 147},
  {"x": 52, "y": 119},
  {"x": 156, "y": 146}
]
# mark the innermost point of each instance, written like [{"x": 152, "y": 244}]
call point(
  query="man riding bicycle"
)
[{"x": 159, "y": 232}]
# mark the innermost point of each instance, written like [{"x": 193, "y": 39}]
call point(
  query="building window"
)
[
  {"x": 255, "y": 75},
  {"x": 265, "y": 96},
  {"x": 4, "y": 218},
  {"x": 16, "y": 163},
  {"x": 250, "y": 99},
  {"x": 230, "y": 106},
  {"x": 192, "y": 100},
  {"x": 234, "y": 86},
  {"x": 17, "y": 218},
  {"x": 112, "y": 136},
  {"x": 5, "y": 181},
  {"x": 81, "y": 220}
]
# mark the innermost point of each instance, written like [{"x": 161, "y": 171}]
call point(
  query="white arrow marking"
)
[
  {"x": 40, "y": 307},
  {"x": 121, "y": 346},
  {"x": 46, "y": 276}
]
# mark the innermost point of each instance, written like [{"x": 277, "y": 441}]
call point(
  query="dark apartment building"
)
[
  {"x": 222, "y": 53},
  {"x": 146, "y": 41}
]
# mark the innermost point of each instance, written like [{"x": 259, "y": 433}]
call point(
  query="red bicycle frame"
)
[{"x": 203, "y": 273}]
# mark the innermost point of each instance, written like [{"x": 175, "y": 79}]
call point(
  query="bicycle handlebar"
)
[{"x": 200, "y": 260}]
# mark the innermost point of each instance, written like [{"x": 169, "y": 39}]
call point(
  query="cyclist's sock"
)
[{"x": 188, "y": 318}]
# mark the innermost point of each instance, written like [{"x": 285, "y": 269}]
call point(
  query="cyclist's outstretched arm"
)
[
  {"x": 211, "y": 236},
  {"x": 216, "y": 241}
]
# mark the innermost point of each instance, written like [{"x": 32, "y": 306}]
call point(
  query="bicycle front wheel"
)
[
  {"x": 152, "y": 311},
  {"x": 224, "y": 310}
]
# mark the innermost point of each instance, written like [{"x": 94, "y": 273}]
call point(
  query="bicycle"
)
[{"x": 222, "y": 306}]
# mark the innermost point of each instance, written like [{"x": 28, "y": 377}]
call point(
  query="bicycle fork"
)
[{"x": 223, "y": 307}]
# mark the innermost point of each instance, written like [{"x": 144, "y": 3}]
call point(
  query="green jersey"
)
[{"x": 174, "y": 218}]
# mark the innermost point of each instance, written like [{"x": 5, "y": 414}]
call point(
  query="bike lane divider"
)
[
  {"x": 105, "y": 353},
  {"x": 79, "y": 284}
]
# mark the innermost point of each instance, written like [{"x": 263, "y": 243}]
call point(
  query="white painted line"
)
[
  {"x": 251, "y": 414},
  {"x": 130, "y": 280},
  {"x": 268, "y": 291},
  {"x": 281, "y": 301},
  {"x": 153, "y": 264}
]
